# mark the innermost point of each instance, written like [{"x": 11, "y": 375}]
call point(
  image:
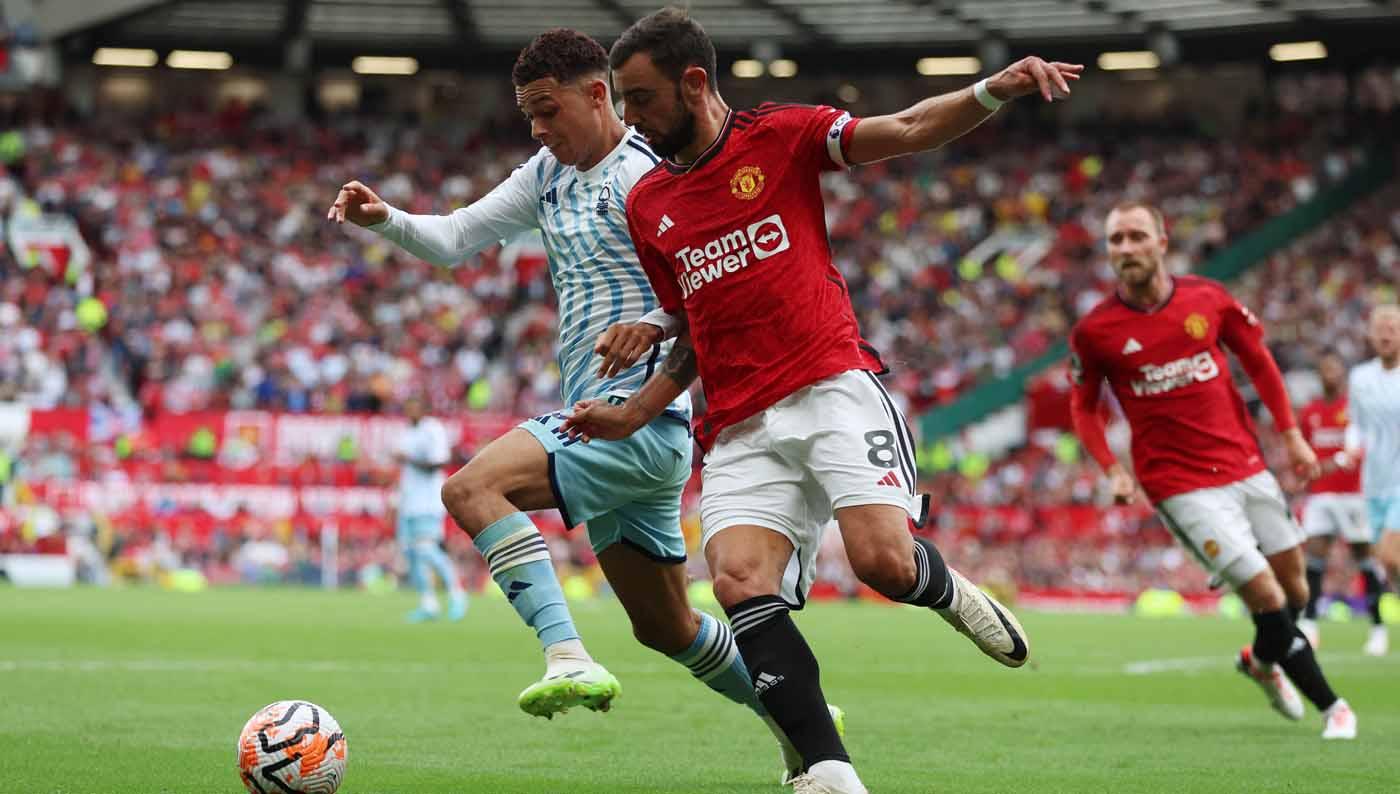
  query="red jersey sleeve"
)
[
  {"x": 821, "y": 134},
  {"x": 1241, "y": 331},
  {"x": 1088, "y": 378},
  {"x": 663, "y": 281}
]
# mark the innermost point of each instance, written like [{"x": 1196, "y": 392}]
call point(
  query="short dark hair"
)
[
  {"x": 562, "y": 53},
  {"x": 674, "y": 41}
]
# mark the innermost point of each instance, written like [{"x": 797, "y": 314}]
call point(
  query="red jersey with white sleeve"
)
[
  {"x": 738, "y": 241},
  {"x": 1324, "y": 426},
  {"x": 1168, "y": 369}
]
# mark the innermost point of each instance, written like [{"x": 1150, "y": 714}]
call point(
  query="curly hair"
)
[
  {"x": 562, "y": 53},
  {"x": 674, "y": 41}
]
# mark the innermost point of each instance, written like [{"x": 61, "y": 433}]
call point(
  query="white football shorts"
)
[
  {"x": 1232, "y": 528},
  {"x": 839, "y": 442},
  {"x": 1341, "y": 514}
]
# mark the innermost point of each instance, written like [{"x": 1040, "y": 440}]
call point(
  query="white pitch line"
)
[{"x": 1193, "y": 664}]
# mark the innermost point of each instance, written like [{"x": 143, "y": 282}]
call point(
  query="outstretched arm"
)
[
  {"x": 940, "y": 119},
  {"x": 444, "y": 239}
]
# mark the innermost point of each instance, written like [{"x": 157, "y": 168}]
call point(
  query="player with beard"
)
[
  {"x": 732, "y": 232},
  {"x": 1160, "y": 343},
  {"x": 1335, "y": 506},
  {"x": 627, "y": 493}
]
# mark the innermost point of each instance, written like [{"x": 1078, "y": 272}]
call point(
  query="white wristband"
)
[
  {"x": 667, "y": 323},
  {"x": 984, "y": 97}
]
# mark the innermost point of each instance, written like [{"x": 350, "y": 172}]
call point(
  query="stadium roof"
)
[{"x": 463, "y": 30}]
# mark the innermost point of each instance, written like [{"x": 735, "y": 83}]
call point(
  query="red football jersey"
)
[
  {"x": 1168, "y": 369},
  {"x": 738, "y": 240},
  {"x": 1324, "y": 425}
]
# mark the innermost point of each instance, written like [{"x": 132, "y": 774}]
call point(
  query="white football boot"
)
[
  {"x": 1339, "y": 721},
  {"x": 829, "y": 777},
  {"x": 1377, "y": 642},
  {"x": 1282, "y": 695},
  {"x": 987, "y": 623}
]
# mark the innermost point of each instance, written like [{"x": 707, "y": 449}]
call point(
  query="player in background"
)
[
  {"x": 1160, "y": 343},
  {"x": 1373, "y": 434},
  {"x": 422, "y": 451},
  {"x": 628, "y": 493},
  {"x": 1334, "y": 506},
  {"x": 731, "y": 230}
]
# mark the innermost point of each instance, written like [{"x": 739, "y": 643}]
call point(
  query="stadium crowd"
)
[{"x": 224, "y": 290}]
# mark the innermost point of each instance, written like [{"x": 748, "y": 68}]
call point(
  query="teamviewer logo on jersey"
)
[
  {"x": 769, "y": 237},
  {"x": 729, "y": 253}
]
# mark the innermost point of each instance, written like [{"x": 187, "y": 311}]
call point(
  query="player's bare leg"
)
[
  {"x": 1317, "y": 551},
  {"x": 747, "y": 563},
  {"x": 1279, "y": 649},
  {"x": 654, "y": 595},
  {"x": 1290, "y": 569},
  {"x": 488, "y": 498},
  {"x": 1377, "y": 583},
  {"x": 1388, "y": 551},
  {"x": 910, "y": 570}
]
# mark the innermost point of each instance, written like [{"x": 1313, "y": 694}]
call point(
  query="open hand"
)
[{"x": 1032, "y": 74}]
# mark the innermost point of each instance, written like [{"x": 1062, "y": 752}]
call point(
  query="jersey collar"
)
[
  {"x": 595, "y": 174},
  {"x": 710, "y": 151},
  {"x": 1118, "y": 293}
]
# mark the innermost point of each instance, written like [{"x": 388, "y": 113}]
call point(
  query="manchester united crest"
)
[
  {"x": 746, "y": 183},
  {"x": 1197, "y": 326},
  {"x": 1212, "y": 549}
]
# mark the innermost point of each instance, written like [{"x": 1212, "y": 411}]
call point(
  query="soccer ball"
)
[{"x": 292, "y": 747}]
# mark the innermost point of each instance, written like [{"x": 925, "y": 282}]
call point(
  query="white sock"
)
[
  {"x": 564, "y": 655},
  {"x": 428, "y": 602}
]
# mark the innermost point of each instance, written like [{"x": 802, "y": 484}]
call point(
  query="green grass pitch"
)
[{"x": 139, "y": 691}]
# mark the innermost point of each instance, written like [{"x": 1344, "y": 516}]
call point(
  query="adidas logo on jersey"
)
[
  {"x": 666, "y": 223},
  {"x": 1133, "y": 346},
  {"x": 730, "y": 252},
  {"x": 889, "y": 479},
  {"x": 765, "y": 682}
]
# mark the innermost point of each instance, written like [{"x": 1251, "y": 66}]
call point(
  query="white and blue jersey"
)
[
  {"x": 581, "y": 216},
  {"x": 626, "y": 491},
  {"x": 426, "y": 449},
  {"x": 1373, "y": 415}
]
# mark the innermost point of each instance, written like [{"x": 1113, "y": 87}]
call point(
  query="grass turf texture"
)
[{"x": 140, "y": 691}]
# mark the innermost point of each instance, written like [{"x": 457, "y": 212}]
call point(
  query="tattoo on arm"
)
[{"x": 680, "y": 366}]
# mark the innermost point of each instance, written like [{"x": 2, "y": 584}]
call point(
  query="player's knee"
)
[
  {"x": 890, "y": 571},
  {"x": 461, "y": 490},
  {"x": 737, "y": 584}
]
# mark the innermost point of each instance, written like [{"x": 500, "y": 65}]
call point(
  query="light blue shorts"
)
[
  {"x": 419, "y": 529},
  {"x": 626, "y": 491},
  {"x": 1385, "y": 515}
]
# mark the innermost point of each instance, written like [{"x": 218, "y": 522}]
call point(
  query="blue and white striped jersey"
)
[
  {"x": 582, "y": 218},
  {"x": 1373, "y": 411}
]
